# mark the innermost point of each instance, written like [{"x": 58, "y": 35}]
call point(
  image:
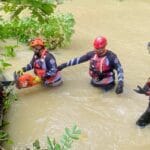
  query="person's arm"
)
[
  {"x": 119, "y": 69},
  {"x": 50, "y": 65},
  {"x": 144, "y": 90},
  {"x": 76, "y": 60},
  {"x": 29, "y": 66},
  {"x": 120, "y": 74}
]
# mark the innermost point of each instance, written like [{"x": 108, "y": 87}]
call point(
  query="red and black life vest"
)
[
  {"x": 40, "y": 65},
  {"x": 99, "y": 64}
]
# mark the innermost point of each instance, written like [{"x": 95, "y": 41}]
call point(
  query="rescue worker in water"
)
[
  {"x": 44, "y": 65},
  {"x": 145, "y": 117},
  {"x": 103, "y": 62}
]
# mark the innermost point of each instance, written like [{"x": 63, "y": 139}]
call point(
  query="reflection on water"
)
[{"x": 107, "y": 120}]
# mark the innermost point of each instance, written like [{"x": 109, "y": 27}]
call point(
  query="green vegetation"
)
[
  {"x": 9, "y": 97},
  {"x": 55, "y": 28},
  {"x": 8, "y": 51},
  {"x": 56, "y": 31},
  {"x": 65, "y": 142},
  {"x": 4, "y": 137}
]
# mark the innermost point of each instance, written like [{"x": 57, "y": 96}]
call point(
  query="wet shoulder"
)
[
  {"x": 50, "y": 59},
  {"x": 50, "y": 55},
  {"x": 111, "y": 54},
  {"x": 90, "y": 54}
]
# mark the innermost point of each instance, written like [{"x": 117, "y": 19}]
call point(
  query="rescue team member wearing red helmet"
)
[
  {"x": 103, "y": 62},
  {"x": 44, "y": 64}
]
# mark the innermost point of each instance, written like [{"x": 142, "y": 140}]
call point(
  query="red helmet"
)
[
  {"x": 37, "y": 42},
  {"x": 100, "y": 42}
]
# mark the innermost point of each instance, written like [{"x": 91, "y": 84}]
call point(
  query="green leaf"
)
[
  {"x": 67, "y": 131},
  {"x": 57, "y": 147},
  {"x": 10, "y": 142},
  {"x": 74, "y": 127},
  {"x": 9, "y": 51},
  {"x": 65, "y": 137},
  {"x": 50, "y": 144},
  {"x": 17, "y": 11},
  {"x": 5, "y": 123},
  {"x": 3, "y": 65},
  {"x": 3, "y": 136},
  {"x": 74, "y": 136},
  {"x": 36, "y": 145},
  {"x": 78, "y": 131}
]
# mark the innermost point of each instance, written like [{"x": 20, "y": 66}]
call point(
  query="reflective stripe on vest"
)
[{"x": 101, "y": 63}]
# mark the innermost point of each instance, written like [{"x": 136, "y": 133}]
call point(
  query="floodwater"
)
[{"x": 107, "y": 120}]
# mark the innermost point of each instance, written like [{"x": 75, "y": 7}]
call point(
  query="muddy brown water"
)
[{"x": 107, "y": 120}]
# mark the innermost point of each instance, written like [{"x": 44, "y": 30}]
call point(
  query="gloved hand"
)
[
  {"x": 119, "y": 88},
  {"x": 60, "y": 67},
  {"x": 37, "y": 79},
  {"x": 139, "y": 90},
  {"x": 20, "y": 72}
]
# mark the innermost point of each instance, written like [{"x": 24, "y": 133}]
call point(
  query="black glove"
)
[
  {"x": 119, "y": 88},
  {"x": 140, "y": 90},
  {"x": 60, "y": 67},
  {"x": 20, "y": 72}
]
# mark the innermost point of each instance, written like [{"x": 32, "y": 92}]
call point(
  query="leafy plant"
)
[
  {"x": 57, "y": 31},
  {"x": 69, "y": 136},
  {"x": 9, "y": 97},
  {"x": 9, "y": 51},
  {"x": 55, "y": 28},
  {"x": 38, "y": 8},
  {"x": 3, "y": 136},
  {"x": 65, "y": 143},
  {"x": 3, "y": 65}
]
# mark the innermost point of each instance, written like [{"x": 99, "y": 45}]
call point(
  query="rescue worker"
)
[
  {"x": 44, "y": 65},
  {"x": 103, "y": 62},
  {"x": 145, "y": 117}
]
